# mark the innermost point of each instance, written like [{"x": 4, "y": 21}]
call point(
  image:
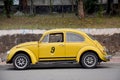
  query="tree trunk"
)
[
  {"x": 31, "y": 7},
  {"x": 72, "y": 1},
  {"x": 119, "y": 7},
  {"x": 7, "y": 8},
  {"x": 23, "y": 6},
  {"x": 24, "y": 2},
  {"x": 62, "y": 8},
  {"x": 51, "y": 6},
  {"x": 80, "y": 9},
  {"x": 109, "y": 6}
]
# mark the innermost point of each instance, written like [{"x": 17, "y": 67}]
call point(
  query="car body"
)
[{"x": 59, "y": 45}]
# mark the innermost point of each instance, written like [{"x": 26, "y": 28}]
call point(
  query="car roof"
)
[{"x": 64, "y": 30}]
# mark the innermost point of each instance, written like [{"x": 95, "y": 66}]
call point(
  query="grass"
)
[{"x": 57, "y": 21}]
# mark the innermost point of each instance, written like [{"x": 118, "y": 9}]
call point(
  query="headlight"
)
[{"x": 8, "y": 52}]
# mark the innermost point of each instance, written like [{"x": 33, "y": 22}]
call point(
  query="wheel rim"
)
[
  {"x": 90, "y": 60},
  {"x": 21, "y": 62}
]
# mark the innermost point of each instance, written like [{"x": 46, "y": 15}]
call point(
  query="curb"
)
[
  {"x": 3, "y": 63},
  {"x": 115, "y": 59}
]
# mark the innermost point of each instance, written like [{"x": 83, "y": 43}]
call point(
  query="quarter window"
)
[
  {"x": 46, "y": 39},
  {"x": 73, "y": 37}
]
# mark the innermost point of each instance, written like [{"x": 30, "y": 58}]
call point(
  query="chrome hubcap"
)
[
  {"x": 21, "y": 62},
  {"x": 90, "y": 60}
]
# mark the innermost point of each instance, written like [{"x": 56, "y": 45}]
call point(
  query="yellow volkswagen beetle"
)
[{"x": 59, "y": 45}]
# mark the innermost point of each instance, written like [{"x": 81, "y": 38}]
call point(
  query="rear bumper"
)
[{"x": 108, "y": 57}]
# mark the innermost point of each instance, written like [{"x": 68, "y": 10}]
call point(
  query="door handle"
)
[{"x": 61, "y": 45}]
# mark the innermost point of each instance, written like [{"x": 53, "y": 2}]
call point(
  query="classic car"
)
[{"x": 59, "y": 45}]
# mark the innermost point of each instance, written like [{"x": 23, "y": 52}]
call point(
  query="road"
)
[{"x": 105, "y": 71}]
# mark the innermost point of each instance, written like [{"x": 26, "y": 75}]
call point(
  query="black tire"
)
[
  {"x": 89, "y": 60},
  {"x": 21, "y": 61}
]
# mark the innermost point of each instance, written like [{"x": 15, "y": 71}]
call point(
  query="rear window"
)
[{"x": 73, "y": 37}]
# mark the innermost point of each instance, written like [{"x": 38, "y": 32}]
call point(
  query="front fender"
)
[
  {"x": 30, "y": 53},
  {"x": 89, "y": 48}
]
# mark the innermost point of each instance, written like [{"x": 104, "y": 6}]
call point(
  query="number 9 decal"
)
[{"x": 52, "y": 49}]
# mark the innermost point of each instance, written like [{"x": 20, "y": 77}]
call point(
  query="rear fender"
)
[{"x": 89, "y": 48}]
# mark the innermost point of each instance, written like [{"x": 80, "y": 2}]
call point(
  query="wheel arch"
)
[
  {"x": 88, "y": 49},
  {"x": 86, "y": 52},
  {"x": 31, "y": 56},
  {"x": 23, "y": 52}
]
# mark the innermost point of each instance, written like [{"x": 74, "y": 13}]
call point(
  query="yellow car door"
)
[{"x": 52, "y": 47}]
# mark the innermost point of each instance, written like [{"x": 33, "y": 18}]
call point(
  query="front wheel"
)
[
  {"x": 89, "y": 60},
  {"x": 21, "y": 61}
]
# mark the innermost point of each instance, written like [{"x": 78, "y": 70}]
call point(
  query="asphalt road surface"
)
[{"x": 105, "y": 71}]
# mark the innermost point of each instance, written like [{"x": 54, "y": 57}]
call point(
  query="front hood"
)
[{"x": 27, "y": 44}]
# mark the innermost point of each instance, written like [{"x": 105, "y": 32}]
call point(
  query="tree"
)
[
  {"x": 23, "y": 5},
  {"x": 108, "y": 6},
  {"x": 90, "y": 6},
  {"x": 112, "y": 9},
  {"x": 119, "y": 7},
  {"x": 51, "y": 6},
  {"x": 7, "y": 5},
  {"x": 80, "y": 9},
  {"x": 62, "y": 8},
  {"x": 72, "y": 2},
  {"x": 31, "y": 7}
]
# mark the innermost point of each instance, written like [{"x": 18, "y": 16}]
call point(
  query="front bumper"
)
[{"x": 108, "y": 57}]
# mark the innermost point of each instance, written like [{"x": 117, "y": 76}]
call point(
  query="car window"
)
[
  {"x": 46, "y": 38},
  {"x": 54, "y": 37},
  {"x": 73, "y": 37}
]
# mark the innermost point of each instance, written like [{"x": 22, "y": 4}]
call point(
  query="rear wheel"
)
[
  {"x": 21, "y": 61},
  {"x": 89, "y": 60}
]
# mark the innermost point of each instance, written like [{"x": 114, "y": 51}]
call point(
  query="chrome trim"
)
[{"x": 108, "y": 57}]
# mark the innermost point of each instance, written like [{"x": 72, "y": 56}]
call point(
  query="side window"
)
[
  {"x": 56, "y": 37},
  {"x": 72, "y": 37},
  {"x": 46, "y": 38}
]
